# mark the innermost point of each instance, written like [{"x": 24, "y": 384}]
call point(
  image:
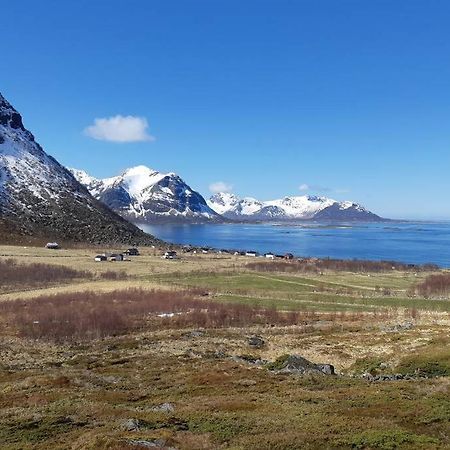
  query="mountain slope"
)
[
  {"x": 38, "y": 196},
  {"x": 142, "y": 194},
  {"x": 289, "y": 208}
]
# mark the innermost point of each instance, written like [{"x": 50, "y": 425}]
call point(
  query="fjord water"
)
[{"x": 409, "y": 242}]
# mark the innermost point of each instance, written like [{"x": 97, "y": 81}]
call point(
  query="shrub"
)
[
  {"x": 313, "y": 265},
  {"x": 89, "y": 315},
  {"x": 389, "y": 440},
  {"x": 437, "y": 284},
  {"x": 12, "y": 273},
  {"x": 113, "y": 275}
]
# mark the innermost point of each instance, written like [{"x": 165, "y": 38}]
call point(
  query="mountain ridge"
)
[
  {"x": 39, "y": 196},
  {"x": 306, "y": 207},
  {"x": 142, "y": 194}
]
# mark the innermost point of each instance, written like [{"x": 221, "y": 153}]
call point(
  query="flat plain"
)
[{"x": 189, "y": 354}]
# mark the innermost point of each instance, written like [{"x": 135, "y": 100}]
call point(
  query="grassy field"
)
[{"x": 170, "y": 365}]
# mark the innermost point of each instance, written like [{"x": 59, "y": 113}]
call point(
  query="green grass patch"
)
[
  {"x": 429, "y": 362},
  {"x": 390, "y": 440}
]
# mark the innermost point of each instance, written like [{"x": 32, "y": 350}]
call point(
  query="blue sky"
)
[{"x": 348, "y": 99}]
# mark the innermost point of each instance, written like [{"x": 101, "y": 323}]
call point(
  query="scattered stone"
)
[
  {"x": 256, "y": 341},
  {"x": 194, "y": 334},
  {"x": 131, "y": 425},
  {"x": 249, "y": 359},
  {"x": 296, "y": 364},
  {"x": 386, "y": 377},
  {"x": 164, "y": 407},
  {"x": 399, "y": 327}
]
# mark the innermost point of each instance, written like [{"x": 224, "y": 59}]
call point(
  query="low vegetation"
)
[
  {"x": 88, "y": 315},
  {"x": 185, "y": 354},
  {"x": 434, "y": 285},
  {"x": 14, "y": 273},
  {"x": 315, "y": 265}
]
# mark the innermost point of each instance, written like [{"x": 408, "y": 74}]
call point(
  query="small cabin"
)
[
  {"x": 251, "y": 253},
  {"x": 132, "y": 252},
  {"x": 205, "y": 250},
  {"x": 289, "y": 256},
  {"x": 269, "y": 255},
  {"x": 52, "y": 245},
  {"x": 99, "y": 258},
  {"x": 279, "y": 256},
  {"x": 116, "y": 257},
  {"x": 171, "y": 254}
]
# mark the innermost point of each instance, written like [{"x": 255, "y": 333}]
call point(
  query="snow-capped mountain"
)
[
  {"x": 305, "y": 207},
  {"x": 141, "y": 194},
  {"x": 38, "y": 196}
]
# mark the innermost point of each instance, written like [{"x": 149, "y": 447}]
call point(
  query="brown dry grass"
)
[
  {"x": 313, "y": 265},
  {"x": 434, "y": 285},
  {"x": 14, "y": 273},
  {"x": 91, "y": 315}
]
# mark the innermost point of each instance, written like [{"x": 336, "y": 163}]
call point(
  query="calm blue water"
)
[{"x": 416, "y": 243}]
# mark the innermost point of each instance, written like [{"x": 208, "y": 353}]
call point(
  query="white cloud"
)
[
  {"x": 120, "y": 129},
  {"x": 304, "y": 187},
  {"x": 220, "y": 186}
]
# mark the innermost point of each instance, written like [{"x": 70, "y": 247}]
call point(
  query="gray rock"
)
[
  {"x": 299, "y": 365},
  {"x": 256, "y": 341},
  {"x": 385, "y": 377},
  {"x": 131, "y": 425},
  {"x": 164, "y": 407},
  {"x": 399, "y": 327},
  {"x": 327, "y": 369}
]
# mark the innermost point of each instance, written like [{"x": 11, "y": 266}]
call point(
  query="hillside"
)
[{"x": 40, "y": 197}]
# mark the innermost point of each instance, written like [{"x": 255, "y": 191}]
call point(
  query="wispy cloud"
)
[
  {"x": 318, "y": 188},
  {"x": 119, "y": 129},
  {"x": 220, "y": 186}
]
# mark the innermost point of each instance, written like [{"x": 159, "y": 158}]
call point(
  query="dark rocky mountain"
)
[
  {"x": 40, "y": 197},
  {"x": 141, "y": 194}
]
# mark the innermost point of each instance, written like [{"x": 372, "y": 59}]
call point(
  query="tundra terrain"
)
[{"x": 220, "y": 352}]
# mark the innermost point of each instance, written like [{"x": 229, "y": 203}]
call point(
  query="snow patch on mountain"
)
[
  {"x": 40, "y": 196},
  {"x": 303, "y": 207},
  {"x": 142, "y": 194}
]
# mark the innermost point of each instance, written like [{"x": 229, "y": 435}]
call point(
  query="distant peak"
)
[
  {"x": 139, "y": 170},
  {"x": 82, "y": 176},
  {"x": 224, "y": 198}
]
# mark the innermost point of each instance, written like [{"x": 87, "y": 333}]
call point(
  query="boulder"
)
[{"x": 296, "y": 364}]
